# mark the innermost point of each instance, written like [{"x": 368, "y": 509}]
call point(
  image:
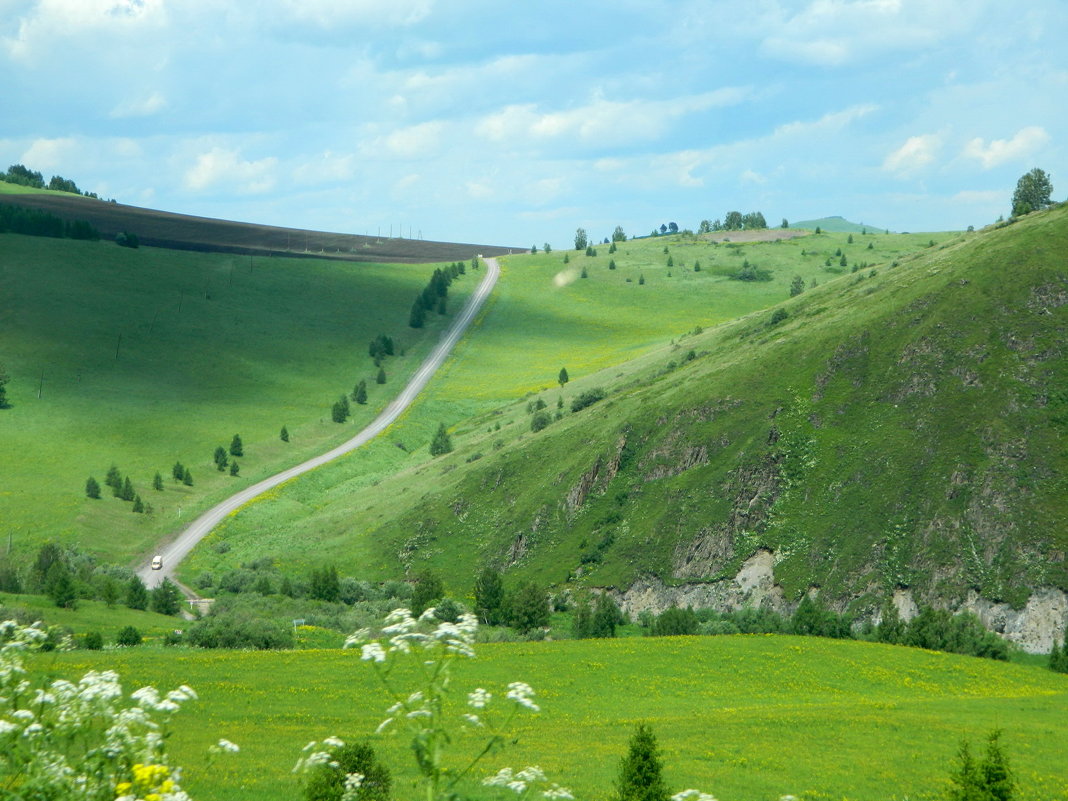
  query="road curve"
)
[{"x": 176, "y": 551}]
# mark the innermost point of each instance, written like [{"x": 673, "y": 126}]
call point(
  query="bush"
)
[
  {"x": 128, "y": 636},
  {"x": 587, "y": 398},
  {"x": 539, "y": 421},
  {"x": 93, "y": 641},
  {"x": 326, "y": 782},
  {"x": 237, "y": 630},
  {"x": 674, "y": 621},
  {"x": 778, "y": 316}
]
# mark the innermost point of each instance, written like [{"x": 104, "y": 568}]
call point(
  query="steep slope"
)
[{"x": 902, "y": 428}]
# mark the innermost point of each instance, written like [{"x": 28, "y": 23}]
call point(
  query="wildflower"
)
[
  {"x": 478, "y": 699},
  {"x": 695, "y": 795},
  {"x": 372, "y": 652},
  {"x": 522, "y": 693},
  {"x": 226, "y": 745}
]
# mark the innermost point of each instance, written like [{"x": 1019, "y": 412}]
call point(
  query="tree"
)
[
  {"x": 166, "y": 599},
  {"x": 4, "y": 378},
  {"x": 606, "y": 616},
  {"x": 138, "y": 505},
  {"x": 92, "y": 488},
  {"x": 988, "y": 779},
  {"x": 1033, "y": 192},
  {"x": 220, "y": 458},
  {"x": 754, "y": 220},
  {"x": 546, "y": 247},
  {"x": 489, "y": 596},
  {"x": 529, "y": 608},
  {"x": 127, "y": 493},
  {"x": 640, "y": 776},
  {"x": 785, "y": 224},
  {"x": 235, "y": 468},
  {"x": 325, "y": 585},
  {"x": 157, "y": 482},
  {"x": 673, "y": 227},
  {"x": 581, "y": 240},
  {"x": 618, "y": 235},
  {"x": 359, "y": 394},
  {"x": 427, "y": 589},
  {"x": 582, "y": 621},
  {"x": 326, "y": 782},
  {"x": 60, "y": 586},
  {"x": 284, "y": 434},
  {"x": 442, "y": 442},
  {"x": 381, "y": 377},
  {"x": 187, "y": 478},
  {"x": 136, "y": 593},
  {"x": 128, "y": 636},
  {"x": 533, "y": 248},
  {"x": 1058, "y": 657},
  {"x": 236, "y": 448},
  {"x": 418, "y": 315},
  {"x": 797, "y": 286},
  {"x": 674, "y": 621},
  {"x": 733, "y": 221},
  {"x": 114, "y": 480},
  {"x": 563, "y": 378},
  {"x": 177, "y": 472},
  {"x": 705, "y": 227}
]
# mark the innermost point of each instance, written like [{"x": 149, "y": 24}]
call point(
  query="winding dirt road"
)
[{"x": 177, "y": 550}]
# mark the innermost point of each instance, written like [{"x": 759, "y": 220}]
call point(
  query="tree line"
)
[
  {"x": 23, "y": 176},
  {"x": 35, "y": 222}
]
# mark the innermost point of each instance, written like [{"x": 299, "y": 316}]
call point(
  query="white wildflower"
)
[
  {"x": 556, "y": 792},
  {"x": 372, "y": 652},
  {"x": 523, "y": 694},
  {"x": 531, "y": 773},
  {"x": 353, "y": 782},
  {"x": 334, "y": 742},
  {"x": 479, "y": 698},
  {"x": 474, "y": 720},
  {"x": 358, "y": 637},
  {"x": 226, "y": 745},
  {"x": 695, "y": 795}
]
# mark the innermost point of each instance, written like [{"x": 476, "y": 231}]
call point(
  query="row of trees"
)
[
  {"x": 24, "y": 176},
  {"x": 735, "y": 221},
  {"x": 434, "y": 293},
  {"x": 35, "y": 222}
]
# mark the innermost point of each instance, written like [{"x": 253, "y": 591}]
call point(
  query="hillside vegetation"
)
[
  {"x": 144, "y": 358},
  {"x": 748, "y": 718},
  {"x": 901, "y": 425}
]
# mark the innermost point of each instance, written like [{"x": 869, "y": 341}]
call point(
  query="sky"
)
[{"x": 514, "y": 123}]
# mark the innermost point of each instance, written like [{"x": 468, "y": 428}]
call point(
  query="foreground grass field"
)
[
  {"x": 141, "y": 358},
  {"x": 747, "y": 718},
  {"x": 545, "y": 316}
]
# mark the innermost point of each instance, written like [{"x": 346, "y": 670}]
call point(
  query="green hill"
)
[
  {"x": 747, "y": 718},
  {"x": 838, "y": 225},
  {"x": 144, "y": 358},
  {"x": 901, "y": 427}
]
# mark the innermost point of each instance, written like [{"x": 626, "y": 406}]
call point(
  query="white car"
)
[{"x": 157, "y": 562}]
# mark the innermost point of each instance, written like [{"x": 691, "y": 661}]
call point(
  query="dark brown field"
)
[{"x": 183, "y": 232}]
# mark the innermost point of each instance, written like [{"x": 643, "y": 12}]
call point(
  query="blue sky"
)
[{"x": 514, "y": 123}]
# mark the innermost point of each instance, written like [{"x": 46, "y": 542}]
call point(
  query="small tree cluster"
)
[
  {"x": 381, "y": 347},
  {"x": 596, "y": 621},
  {"x": 340, "y": 411},
  {"x": 1058, "y": 656},
  {"x": 434, "y": 293},
  {"x": 987, "y": 779},
  {"x": 442, "y": 442}
]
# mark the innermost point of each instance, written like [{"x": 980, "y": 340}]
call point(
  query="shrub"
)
[
  {"x": 674, "y": 621},
  {"x": 587, "y": 398},
  {"x": 326, "y": 782},
  {"x": 539, "y": 421},
  {"x": 778, "y": 316},
  {"x": 128, "y": 636},
  {"x": 640, "y": 776},
  {"x": 238, "y": 630},
  {"x": 93, "y": 641}
]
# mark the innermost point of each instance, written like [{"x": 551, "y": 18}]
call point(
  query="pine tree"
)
[
  {"x": 284, "y": 434},
  {"x": 418, "y": 314},
  {"x": 236, "y": 447},
  {"x": 428, "y": 588},
  {"x": 92, "y": 489},
  {"x": 178, "y": 471},
  {"x": 640, "y": 776},
  {"x": 563, "y": 378},
  {"x": 489, "y": 596},
  {"x": 606, "y": 616},
  {"x": 641, "y": 280},
  {"x": 611, "y": 264},
  {"x": 381, "y": 377},
  {"x": 114, "y": 480},
  {"x": 234, "y": 468},
  {"x": 157, "y": 482},
  {"x": 441, "y": 305},
  {"x": 138, "y": 505},
  {"x": 359, "y": 394},
  {"x": 340, "y": 411},
  {"x": 60, "y": 586},
  {"x": 442, "y": 442},
  {"x": 582, "y": 621},
  {"x": 136, "y": 594},
  {"x": 166, "y": 599},
  {"x": 127, "y": 493},
  {"x": 220, "y": 458},
  {"x": 187, "y": 478}
]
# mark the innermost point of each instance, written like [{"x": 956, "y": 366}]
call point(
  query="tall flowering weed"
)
[
  {"x": 83, "y": 739},
  {"x": 422, "y": 712}
]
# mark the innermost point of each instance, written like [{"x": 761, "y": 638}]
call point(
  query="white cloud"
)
[
  {"x": 226, "y": 167},
  {"x": 602, "y": 122},
  {"x": 753, "y": 177},
  {"x": 144, "y": 106},
  {"x": 416, "y": 141},
  {"x": 832, "y": 33},
  {"x": 330, "y": 14},
  {"x": 50, "y": 154},
  {"x": 980, "y": 196},
  {"x": 51, "y": 21},
  {"x": 828, "y": 123},
  {"x": 1024, "y": 143},
  {"x": 916, "y": 153}
]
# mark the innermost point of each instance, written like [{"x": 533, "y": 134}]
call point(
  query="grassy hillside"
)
[
  {"x": 141, "y": 358},
  {"x": 903, "y": 425},
  {"x": 91, "y": 616},
  {"x": 360, "y": 512},
  {"x": 748, "y": 718}
]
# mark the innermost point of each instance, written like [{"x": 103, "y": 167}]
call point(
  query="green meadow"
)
[
  {"x": 141, "y": 358},
  {"x": 606, "y": 329},
  {"x": 746, "y": 718}
]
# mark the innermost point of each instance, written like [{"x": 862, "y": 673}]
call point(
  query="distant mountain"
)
[{"x": 836, "y": 224}]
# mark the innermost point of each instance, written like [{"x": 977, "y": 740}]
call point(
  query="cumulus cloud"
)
[
  {"x": 220, "y": 166},
  {"x": 50, "y": 154},
  {"x": 1024, "y": 143},
  {"x": 415, "y": 141},
  {"x": 329, "y": 14},
  {"x": 916, "y": 153},
  {"x": 50, "y": 21},
  {"x": 326, "y": 168}
]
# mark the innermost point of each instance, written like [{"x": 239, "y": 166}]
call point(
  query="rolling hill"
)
[
  {"x": 838, "y": 225},
  {"x": 899, "y": 433}
]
